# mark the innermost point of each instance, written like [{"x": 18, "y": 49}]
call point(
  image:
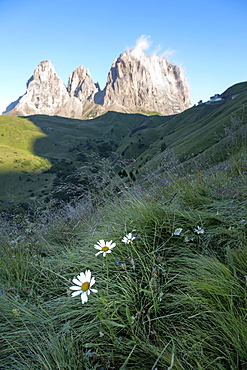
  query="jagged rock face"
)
[
  {"x": 146, "y": 84},
  {"x": 137, "y": 83},
  {"x": 45, "y": 92},
  {"x": 81, "y": 85}
]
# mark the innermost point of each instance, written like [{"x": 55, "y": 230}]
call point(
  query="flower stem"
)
[{"x": 107, "y": 274}]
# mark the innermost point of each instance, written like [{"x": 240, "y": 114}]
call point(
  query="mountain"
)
[
  {"x": 143, "y": 83},
  {"x": 45, "y": 93},
  {"x": 136, "y": 83}
]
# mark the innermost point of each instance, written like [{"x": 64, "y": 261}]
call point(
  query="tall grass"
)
[{"x": 164, "y": 301}]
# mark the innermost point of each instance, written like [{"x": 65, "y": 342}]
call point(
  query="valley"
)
[{"x": 63, "y": 151}]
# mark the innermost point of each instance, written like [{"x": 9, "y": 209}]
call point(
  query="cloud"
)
[
  {"x": 167, "y": 54},
  {"x": 142, "y": 43}
]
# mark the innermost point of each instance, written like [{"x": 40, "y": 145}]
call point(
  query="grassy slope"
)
[
  {"x": 69, "y": 143},
  {"x": 198, "y": 129},
  {"x": 16, "y": 147},
  {"x": 164, "y": 301}
]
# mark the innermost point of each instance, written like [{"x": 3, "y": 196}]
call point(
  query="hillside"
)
[
  {"x": 72, "y": 148},
  {"x": 145, "y": 267}
]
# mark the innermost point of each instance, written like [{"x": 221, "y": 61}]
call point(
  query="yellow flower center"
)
[
  {"x": 105, "y": 248},
  {"x": 85, "y": 286},
  {"x": 129, "y": 240}
]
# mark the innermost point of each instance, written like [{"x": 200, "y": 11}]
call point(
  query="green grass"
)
[
  {"x": 18, "y": 137},
  {"x": 163, "y": 300}
]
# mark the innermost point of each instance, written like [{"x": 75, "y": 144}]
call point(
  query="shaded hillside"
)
[{"x": 75, "y": 147}]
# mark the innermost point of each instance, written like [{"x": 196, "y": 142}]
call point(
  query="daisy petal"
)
[
  {"x": 92, "y": 281},
  {"x": 111, "y": 245},
  {"x": 74, "y": 287},
  {"x": 81, "y": 277},
  {"x": 98, "y": 253},
  {"x": 94, "y": 290},
  {"x": 88, "y": 275},
  {"x": 76, "y": 281},
  {"x": 84, "y": 298},
  {"x": 74, "y": 294}
]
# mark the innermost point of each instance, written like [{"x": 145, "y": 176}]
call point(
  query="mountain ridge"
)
[{"x": 145, "y": 84}]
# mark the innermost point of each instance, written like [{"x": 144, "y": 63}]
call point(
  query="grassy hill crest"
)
[{"x": 43, "y": 151}]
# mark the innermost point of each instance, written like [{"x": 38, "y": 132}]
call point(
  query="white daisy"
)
[
  {"x": 199, "y": 230},
  {"x": 128, "y": 238},
  {"x": 177, "y": 231},
  {"x": 104, "y": 247},
  {"x": 83, "y": 282}
]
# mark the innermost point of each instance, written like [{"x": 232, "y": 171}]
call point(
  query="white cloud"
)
[
  {"x": 142, "y": 43},
  {"x": 167, "y": 54},
  {"x": 155, "y": 62}
]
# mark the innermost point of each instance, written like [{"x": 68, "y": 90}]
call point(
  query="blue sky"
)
[{"x": 208, "y": 38}]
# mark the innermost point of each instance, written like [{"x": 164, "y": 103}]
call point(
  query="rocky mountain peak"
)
[
  {"x": 136, "y": 83},
  {"x": 45, "y": 92},
  {"x": 81, "y": 84},
  {"x": 146, "y": 83}
]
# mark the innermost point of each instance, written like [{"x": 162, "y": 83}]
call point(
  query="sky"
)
[{"x": 207, "y": 39}]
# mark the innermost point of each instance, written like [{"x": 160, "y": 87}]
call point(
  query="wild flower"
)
[
  {"x": 104, "y": 247},
  {"x": 188, "y": 240},
  {"x": 83, "y": 287},
  {"x": 94, "y": 356},
  {"x": 16, "y": 312},
  {"x": 10, "y": 290},
  {"x": 154, "y": 273},
  {"x": 159, "y": 258},
  {"x": 199, "y": 230},
  {"x": 177, "y": 231},
  {"x": 106, "y": 362},
  {"x": 131, "y": 259},
  {"x": 128, "y": 238}
]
